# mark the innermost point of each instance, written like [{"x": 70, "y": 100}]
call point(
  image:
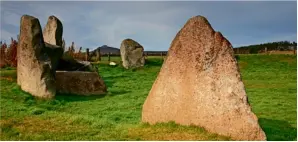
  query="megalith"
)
[
  {"x": 53, "y": 31},
  {"x": 55, "y": 53},
  {"x": 34, "y": 73},
  {"x": 52, "y": 35},
  {"x": 200, "y": 84},
  {"x": 132, "y": 54},
  {"x": 80, "y": 83}
]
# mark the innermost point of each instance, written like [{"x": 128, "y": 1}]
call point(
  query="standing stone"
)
[
  {"x": 72, "y": 47},
  {"x": 98, "y": 57},
  {"x": 34, "y": 73},
  {"x": 53, "y": 31},
  {"x": 200, "y": 84},
  {"x": 132, "y": 54},
  {"x": 54, "y": 43},
  {"x": 87, "y": 55}
]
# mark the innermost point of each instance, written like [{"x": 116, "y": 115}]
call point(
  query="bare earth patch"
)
[
  {"x": 38, "y": 125},
  {"x": 168, "y": 133}
]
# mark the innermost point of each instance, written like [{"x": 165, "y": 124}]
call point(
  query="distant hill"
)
[
  {"x": 250, "y": 49},
  {"x": 105, "y": 49},
  {"x": 270, "y": 46}
]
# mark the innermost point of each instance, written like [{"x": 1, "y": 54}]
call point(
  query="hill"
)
[
  {"x": 259, "y": 48},
  {"x": 250, "y": 49},
  {"x": 105, "y": 49}
]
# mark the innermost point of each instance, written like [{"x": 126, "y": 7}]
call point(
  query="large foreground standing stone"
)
[
  {"x": 34, "y": 73},
  {"x": 132, "y": 54},
  {"x": 200, "y": 84},
  {"x": 53, "y": 31},
  {"x": 79, "y": 82}
]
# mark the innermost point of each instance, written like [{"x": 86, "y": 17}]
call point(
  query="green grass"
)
[{"x": 270, "y": 82}]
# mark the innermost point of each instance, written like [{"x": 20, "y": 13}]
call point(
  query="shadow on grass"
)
[
  {"x": 278, "y": 130},
  {"x": 109, "y": 81},
  {"x": 153, "y": 62},
  {"x": 237, "y": 57},
  {"x": 117, "y": 92},
  {"x": 75, "y": 97}
]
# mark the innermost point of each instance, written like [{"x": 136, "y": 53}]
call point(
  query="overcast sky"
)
[{"x": 155, "y": 24}]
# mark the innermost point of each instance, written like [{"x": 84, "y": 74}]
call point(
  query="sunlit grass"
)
[{"x": 270, "y": 82}]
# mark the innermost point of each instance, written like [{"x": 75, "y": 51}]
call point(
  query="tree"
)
[{"x": 12, "y": 53}]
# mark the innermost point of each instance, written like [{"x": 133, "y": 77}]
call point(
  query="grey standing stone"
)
[
  {"x": 34, "y": 73},
  {"x": 54, "y": 42},
  {"x": 53, "y": 31},
  {"x": 132, "y": 54}
]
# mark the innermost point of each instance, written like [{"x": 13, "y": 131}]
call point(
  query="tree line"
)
[{"x": 260, "y": 48}]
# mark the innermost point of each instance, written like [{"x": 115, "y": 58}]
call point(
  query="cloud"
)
[
  {"x": 6, "y": 36},
  {"x": 140, "y": 27},
  {"x": 155, "y": 24},
  {"x": 11, "y": 18}
]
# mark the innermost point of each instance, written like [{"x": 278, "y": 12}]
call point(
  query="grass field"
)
[{"x": 270, "y": 80}]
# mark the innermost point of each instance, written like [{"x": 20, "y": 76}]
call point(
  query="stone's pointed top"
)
[
  {"x": 28, "y": 17},
  {"x": 199, "y": 22},
  {"x": 199, "y": 18},
  {"x": 53, "y": 31},
  {"x": 52, "y": 17},
  {"x": 29, "y": 20},
  {"x": 129, "y": 41}
]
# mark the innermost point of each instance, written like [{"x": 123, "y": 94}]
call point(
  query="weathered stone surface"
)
[
  {"x": 54, "y": 43},
  {"x": 87, "y": 66},
  {"x": 53, "y": 31},
  {"x": 200, "y": 84},
  {"x": 68, "y": 63},
  {"x": 34, "y": 73},
  {"x": 80, "y": 83},
  {"x": 132, "y": 54},
  {"x": 55, "y": 53}
]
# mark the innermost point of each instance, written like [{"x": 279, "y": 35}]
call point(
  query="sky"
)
[{"x": 154, "y": 24}]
